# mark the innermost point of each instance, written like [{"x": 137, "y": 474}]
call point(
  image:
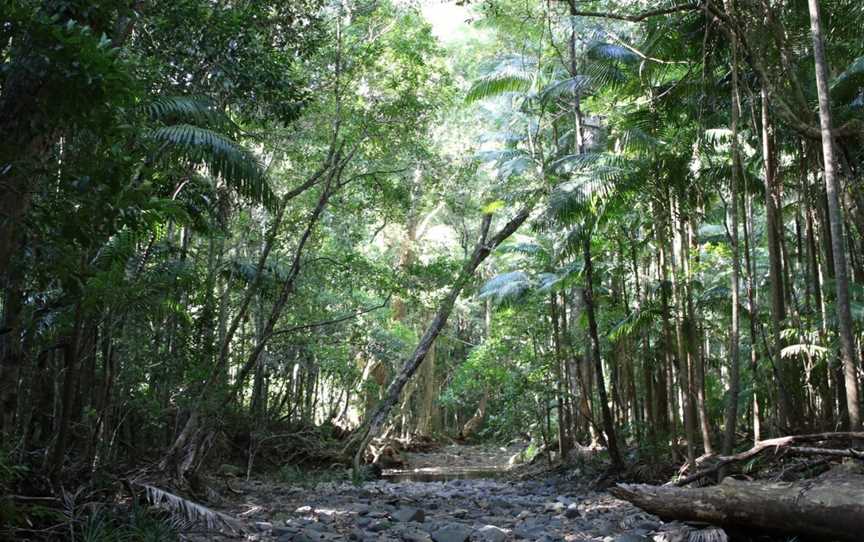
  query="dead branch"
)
[{"x": 776, "y": 444}]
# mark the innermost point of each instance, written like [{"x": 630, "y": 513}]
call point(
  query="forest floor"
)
[{"x": 427, "y": 505}]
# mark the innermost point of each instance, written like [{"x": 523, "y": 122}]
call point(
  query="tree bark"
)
[
  {"x": 734, "y": 332},
  {"x": 775, "y": 268},
  {"x": 830, "y": 509},
  {"x": 588, "y": 297},
  {"x": 832, "y": 188}
]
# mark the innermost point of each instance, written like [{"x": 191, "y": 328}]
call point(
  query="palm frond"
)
[
  {"x": 708, "y": 534},
  {"x": 602, "y": 50},
  {"x": 849, "y": 84},
  {"x": 190, "y": 109},
  {"x": 506, "y": 286},
  {"x": 571, "y": 246},
  {"x": 605, "y": 74},
  {"x": 636, "y": 320},
  {"x": 530, "y": 249},
  {"x": 514, "y": 166},
  {"x": 190, "y": 511},
  {"x": 812, "y": 350},
  {"x": 235, "y": 165},
  {"x": 561, "y": 278},
  {"x": 509, "y": 77},
  {"x": 711, "y": 296},
  {"x": 570, "y": 86}
]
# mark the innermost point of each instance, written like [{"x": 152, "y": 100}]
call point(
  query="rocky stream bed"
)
[{"x": 424, "y": 504}]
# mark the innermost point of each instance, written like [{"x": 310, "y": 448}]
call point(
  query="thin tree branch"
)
[
  {"x": 636, "y": 18},
  {"x": 338, "y": 320}
]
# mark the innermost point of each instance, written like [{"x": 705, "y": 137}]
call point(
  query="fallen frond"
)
[{"x": 190, "y": 511}]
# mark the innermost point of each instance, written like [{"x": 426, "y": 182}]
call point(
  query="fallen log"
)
[
  {"x": 829, "y": 507},
  {"x": 776, "y": 444}
]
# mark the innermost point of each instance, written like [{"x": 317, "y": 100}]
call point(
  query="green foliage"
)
[
  {"x": 226, "y": 160},
  {"x": 497, "y": 84}
]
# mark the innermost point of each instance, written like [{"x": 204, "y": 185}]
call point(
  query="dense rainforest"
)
[{"x": 293, "y": 239}]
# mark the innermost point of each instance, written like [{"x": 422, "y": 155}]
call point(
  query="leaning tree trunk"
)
[
  {"x": 375, "y": 422},
  {"x": 841, "y": 279}
]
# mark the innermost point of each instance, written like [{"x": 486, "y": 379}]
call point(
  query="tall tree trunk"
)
[
  {"x": 665, "y": 361},
  {"x": 775, "y": 267},
  {"x": 734, "y": 333},
  {"x": 590, "y": 310},
  {"x": 563, "y": 437},
  {"x": 751, "y": 307},
  {"x": 70, "y": 383},
  {"x": 697, "y": 360},
  {"x": 11, "y": 356},
  {"x": 832, "y": 188}
]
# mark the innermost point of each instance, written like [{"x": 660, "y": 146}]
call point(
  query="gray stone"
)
[
  {"x": 279, "y": 532},
  {"x": 414, "y": 535},
  {"x": 555, "y": 507},
  {"x": 499, "y": 502},
  {"x": 531, "y": 531},
  {"x": 263, "y": 526},
  {"x": 378, "y": 526},
  {"x": 362, "y": 510},
  {"x": 409, "y": 514},
  {"x": 452, "y": 533},
  {"x": 631, "y": 537},
  {"x": 490, "y": 533},
  {"x": 309, "y": 535},
  {"x": 571, "y": 511}
]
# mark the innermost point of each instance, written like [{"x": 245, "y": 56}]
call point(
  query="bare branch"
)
[
  {"x": 636, "y": 18},
  {"x": 340, "y": 319}
]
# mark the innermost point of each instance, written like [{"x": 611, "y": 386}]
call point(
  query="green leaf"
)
[
  {"x": 493, "y": 206},
  {"x": 497, "y": 84}
]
